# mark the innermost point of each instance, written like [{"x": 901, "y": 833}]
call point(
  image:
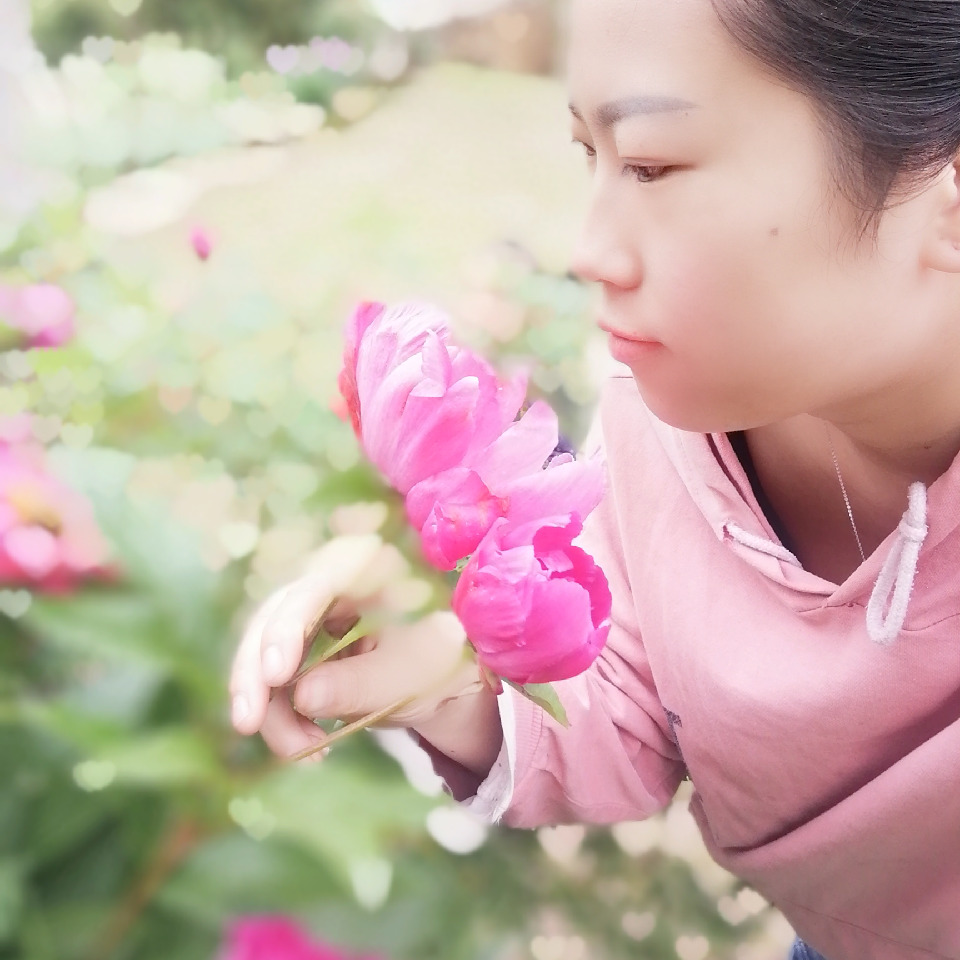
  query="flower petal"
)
[
  {"x": 521, "y": 450},
  {"x": 453, "y": 511},
  {"x": 574, "y": 487},
  {"x": 33, "y": 549}
]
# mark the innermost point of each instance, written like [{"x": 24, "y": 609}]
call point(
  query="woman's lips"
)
[{"x": 629, "y": 348}]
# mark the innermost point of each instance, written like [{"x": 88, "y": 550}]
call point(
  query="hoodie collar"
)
[{"x": 716, "y": 480}]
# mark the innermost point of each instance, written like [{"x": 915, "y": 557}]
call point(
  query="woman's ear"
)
[{"x": 942, "y": 246}]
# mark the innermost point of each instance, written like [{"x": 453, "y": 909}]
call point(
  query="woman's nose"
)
[{"x": 606, "y": 250}]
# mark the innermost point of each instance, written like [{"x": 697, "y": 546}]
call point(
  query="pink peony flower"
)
[
  {"x": 443, "y": 430},
  {"x": 275, "y": 938},
  {"x": 42, "y": 312},
  {"x": 535, "y": 607},
  {"x": 454, "y": 510},
  {"x": 419, "y": 404},
  {"x": 201, "y": 243},
  {"x": 49, "y": 539},
  {"x": 363, "y": 316}
]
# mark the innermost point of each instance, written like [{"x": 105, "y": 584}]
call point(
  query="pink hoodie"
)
[{"x": 825, "y": 756}]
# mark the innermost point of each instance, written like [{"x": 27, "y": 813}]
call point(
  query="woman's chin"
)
[{"x": 693, "y": 413}]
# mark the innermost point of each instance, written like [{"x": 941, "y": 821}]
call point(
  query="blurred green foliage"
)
[
  {"x": 193, "y": 410},
  {"x": 240, "y": 32}
]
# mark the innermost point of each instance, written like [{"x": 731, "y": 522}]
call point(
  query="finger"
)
[
  {"x": 285, "y": 732},
  {"x": 411, "y": 659},
  {"x": 333, "y": 572},
  {"x": 250, "y": 692},
  {"x": 361, "y": 646},
  {"x": 382, "y": 564},
  {"x": 344, "y": 688}
]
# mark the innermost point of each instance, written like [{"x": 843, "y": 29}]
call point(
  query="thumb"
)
[{"x": 426, "y": 660}]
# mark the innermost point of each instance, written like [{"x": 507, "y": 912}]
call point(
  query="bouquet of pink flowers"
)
[{"x": 487, "y": 492}]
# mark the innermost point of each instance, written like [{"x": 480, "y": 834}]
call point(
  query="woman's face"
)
[{"x": 718, "y": 235}]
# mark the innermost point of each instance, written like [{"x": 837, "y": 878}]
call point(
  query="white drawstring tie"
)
[
  {"x": 760, "y": 544},
  {"x": 895, "y": 583},
  {"x": 887, "y": 607}
]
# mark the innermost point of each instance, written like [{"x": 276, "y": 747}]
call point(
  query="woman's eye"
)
[
  {"x": 641, "y": 172},
  {"x": 587, "y": 149},
  {"x": 646, "y": 173}
]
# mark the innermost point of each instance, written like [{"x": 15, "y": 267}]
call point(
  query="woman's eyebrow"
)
[{"x": 610, "y": 114}]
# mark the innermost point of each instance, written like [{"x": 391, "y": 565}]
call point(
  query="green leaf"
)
[
  {"x": 63, "y": 817},
  {"x": 326, "y": 645},
  {"x": 154, "y": 552},
  {"x": 335, "y": 810},
  {"x": 165, "y": 758},
  {"x": 234, "y": 873},
  {"x": 87, "y": 733},
  {"x": 123, "y": 626},
  {"x": 545, "y": 697},
  {"x": 155, "y": 937},
  {"x": 11, "y": 897},
  {"x": 110, "y": 623}
]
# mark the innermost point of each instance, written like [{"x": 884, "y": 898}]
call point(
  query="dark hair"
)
[{"x": 885, "y": 75}]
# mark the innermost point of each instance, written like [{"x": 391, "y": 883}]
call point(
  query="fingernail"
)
[
  {"x": 272, "y": 662},
  {"x": 319, "y": 755},
  {"x": 241, "y": 709}
]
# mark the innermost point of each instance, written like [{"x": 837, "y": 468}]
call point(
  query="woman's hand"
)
[{"x": 423, "y": 665}]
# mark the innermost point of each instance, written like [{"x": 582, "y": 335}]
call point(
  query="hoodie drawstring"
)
[
  {"x": 887, "y": 607},
  {"x": 760, "y": 544},
  {"x": 895, "y": 583}
]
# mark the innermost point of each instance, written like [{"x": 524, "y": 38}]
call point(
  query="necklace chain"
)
[{"x": 846, "y": 498}]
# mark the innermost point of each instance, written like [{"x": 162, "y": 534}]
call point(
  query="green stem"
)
[
  {"x": 322, "y": 644},
  {"x": 377, "y": 715},
  {"x": 172, "y": 850},
  {"x": 366, "y": 721}
]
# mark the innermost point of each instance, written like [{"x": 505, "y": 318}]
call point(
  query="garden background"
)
[{"x": 193, "y": 194}]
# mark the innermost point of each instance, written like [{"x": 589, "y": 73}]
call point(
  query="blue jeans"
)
[{"x": 801, "y": 951}]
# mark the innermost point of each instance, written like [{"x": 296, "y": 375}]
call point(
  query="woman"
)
[{"x": 775, "y": 227}]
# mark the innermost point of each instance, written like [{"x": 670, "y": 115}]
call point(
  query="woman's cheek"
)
[{"x": 700, "y": 303}]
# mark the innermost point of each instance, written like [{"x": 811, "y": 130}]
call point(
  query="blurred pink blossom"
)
[
  {"x": 276, "y": 938},
  {"x": 42, "y": 312},
  {"x": 419, "y": 404},
  {"x": 49, "y": 539},
  {"x": 535, "y": 607},
  {"x": 201, "y": 243}
]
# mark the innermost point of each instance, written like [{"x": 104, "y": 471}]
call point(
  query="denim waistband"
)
[{"x": 801, "y": 951}]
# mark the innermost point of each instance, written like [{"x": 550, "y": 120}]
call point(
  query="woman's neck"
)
[
  {"x": 908, "y": 431},
  {"x": 810, "y": 490}
]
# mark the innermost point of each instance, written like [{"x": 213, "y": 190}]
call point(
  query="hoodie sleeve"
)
[{"x": 616, "y": 760}]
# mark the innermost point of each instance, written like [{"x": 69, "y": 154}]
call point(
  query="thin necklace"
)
[{"x": 846, "y": 499}]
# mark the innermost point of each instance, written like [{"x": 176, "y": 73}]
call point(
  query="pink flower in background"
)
[
  {"x": 201, "y": 243},
  {"x": 43, "y": 313},
  {"x": 535, "y": 607},
  {"x": 419, "y": 404},
  {"x": 49, "y": 539},
  {"x": 454, "y": 510},
  {"x": 276, "y": 938}
]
